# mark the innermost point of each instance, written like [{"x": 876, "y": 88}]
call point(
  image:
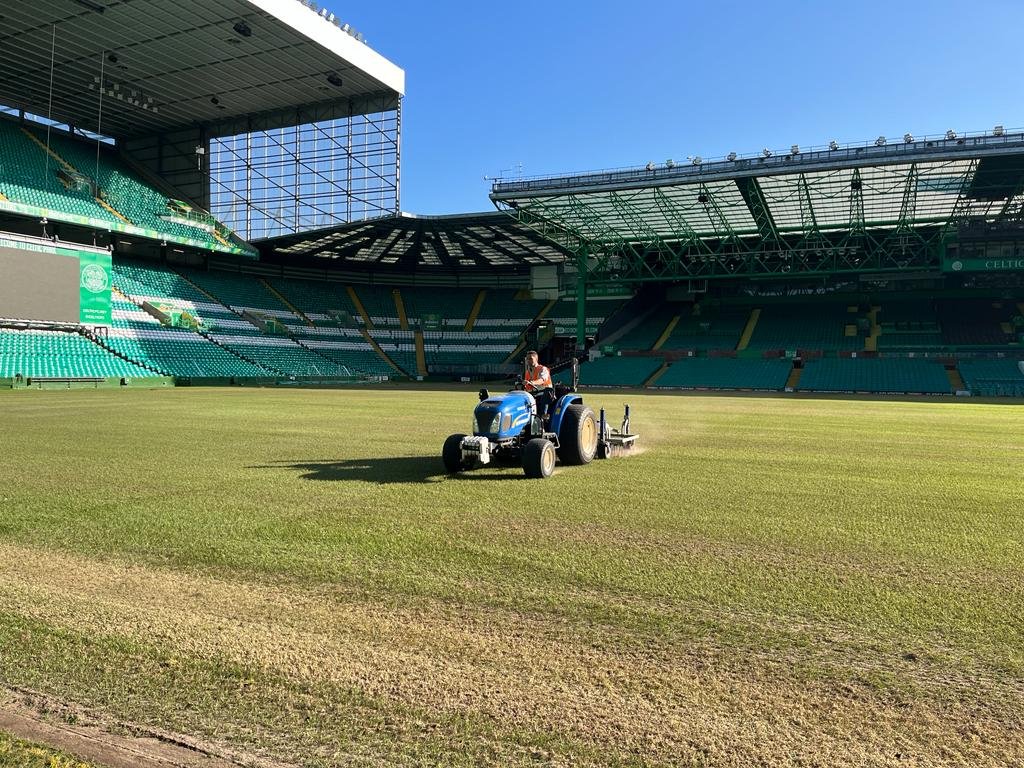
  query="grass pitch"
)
[{"x": 771, "y": 581}]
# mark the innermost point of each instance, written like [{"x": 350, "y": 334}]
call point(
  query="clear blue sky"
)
[{"x": 574, "y": 85}]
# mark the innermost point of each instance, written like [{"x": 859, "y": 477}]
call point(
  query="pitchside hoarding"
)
[{"x": 54, "y": 283}]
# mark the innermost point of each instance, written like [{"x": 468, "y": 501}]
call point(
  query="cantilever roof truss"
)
[{"x": 656, "y": 223}]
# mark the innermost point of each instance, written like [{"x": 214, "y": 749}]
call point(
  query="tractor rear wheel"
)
[
  {"x": 578, "y": 435},
  {"x": 539, "y": 458},
  {"x": 451, "y": 454}
]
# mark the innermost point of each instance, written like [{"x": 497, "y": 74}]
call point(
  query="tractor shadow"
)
[{"x": 384, "y": 471}]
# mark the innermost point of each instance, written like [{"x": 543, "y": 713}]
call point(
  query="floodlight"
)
[
  {"x": 833, "y": 146},
  {"x": 950, "y": 134},
  {"x": 880, "y": 141},
  {"x": 731, "y": 156},
  {"x": 242, "y": 29},
  {"x": 794, "y": 150},
  {"x": 649, "y": 166},
  {"x": 335, "y": 79},
  {"x": 697, "y": 160},
  {"x": 908, "y": 138},
  {"x": 998, "y": 130},
  {"x": 670, "y": 163},
  {"x": 766, "y": 152}
]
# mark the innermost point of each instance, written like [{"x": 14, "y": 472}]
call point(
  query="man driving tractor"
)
[{"x": 537, "y": 381}]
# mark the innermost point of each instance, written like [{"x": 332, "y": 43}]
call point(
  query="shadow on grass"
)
[{"x": 395, "y": 469}]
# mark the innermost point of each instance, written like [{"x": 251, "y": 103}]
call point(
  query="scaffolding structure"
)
[{"x": 281, "y": 181}]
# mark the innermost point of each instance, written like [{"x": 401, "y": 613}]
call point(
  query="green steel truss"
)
[{"x": 820, "y": 221}]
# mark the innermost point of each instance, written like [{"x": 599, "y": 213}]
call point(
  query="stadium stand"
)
[
  {"x": 706, "y": 327},
  {"x": 29, "y": 176},
  {"x": 643, "y": 336},
  {"x": 879, "y": 375},
  {"x": 239, "y": 343},
  {"x": 975, "y": 322},
  {"x": 726, "y": 373},
  {"x": 994, "y": 378},
  {"x": 132, "y": 198},
  {"x": 563, "y": 314},
  {"x": 615, "y": 371},
  {"x": 805, "y": 326},
  {"x": 61, "y": 355}
]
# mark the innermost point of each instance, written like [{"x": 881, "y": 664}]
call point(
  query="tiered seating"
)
[
  {"x": 123, "y": 190},
  {"x": 563, "y": 314},
  {"x": 709, "y": 328},
  {"x": 644, "y": 335},
  {"x": 501, "y": 307},
  {"x": 817, "y": 326},
  {"x": 343, "y": 344},
  {"x": 615, "y": 371},
  {"x": 442, "y": 313},
  {"x": 173, "y": 351},
  {"x": 726, "y": 373},
  {"x": 908, "y": 325},
  {"x": 28, "y": 177},
  {"x": 501, "y": 322},
  {"x": 894, "y": 375},
  {"x": 994, "y": 378},
  {"x": 63, "y": 355},
  {"x": 242, "y": 292},
  {"x": 975, "y": 322}
]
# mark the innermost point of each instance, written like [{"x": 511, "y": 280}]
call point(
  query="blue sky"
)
[{"x": 568, "y": 85}]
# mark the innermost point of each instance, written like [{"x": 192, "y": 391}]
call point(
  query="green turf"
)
[
  {"x": 15, "y": 753},
  {"x": 787, "y": 543}
]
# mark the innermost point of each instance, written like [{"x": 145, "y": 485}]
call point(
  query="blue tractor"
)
[{"x": 507, "y": 429}]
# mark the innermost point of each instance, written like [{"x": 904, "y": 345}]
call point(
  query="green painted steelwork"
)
[{"x": 896, "y": 216}]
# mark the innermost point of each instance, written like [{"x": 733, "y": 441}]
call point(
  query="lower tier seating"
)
[
  {"x": 615, "y": 371},
  {"x": 726, "y": 373},
  {"x": 994, "y": 378},
  {"x": 61, "y": 355},
  {"x": 881, "y": 375}
]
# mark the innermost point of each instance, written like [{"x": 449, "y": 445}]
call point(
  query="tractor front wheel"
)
[
  {"x": 451, "y": 454},
  {"x": 578, "y": 436},
  {"x": 539, "y": 458}
]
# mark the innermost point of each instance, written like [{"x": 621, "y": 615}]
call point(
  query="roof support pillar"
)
[{"x": 581, "y": 298}]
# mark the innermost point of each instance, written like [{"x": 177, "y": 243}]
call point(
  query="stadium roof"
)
[
  {"x": 774, "y": 195},
  {"x": 171, "y": 64},
  {"x": 408, "y": 242}
]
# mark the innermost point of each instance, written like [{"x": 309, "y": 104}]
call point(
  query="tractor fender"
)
[{"x": 558, "y": 410}]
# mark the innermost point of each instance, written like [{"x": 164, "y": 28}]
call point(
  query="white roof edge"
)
[{"x": 307, "y": 22}]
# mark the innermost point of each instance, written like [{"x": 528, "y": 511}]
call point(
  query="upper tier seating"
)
[
  {"x": 645, "y": 334},
  {"x": 126, "y": 192},
  {"x": 708, "y": 327},
  {"x": 29, "y": 176},
  {"x": 66, "y": 183},
  {"x": 882, "y": 375},
  {"x": 975, "y": 322},
  {"x": 810, "y": 326},
  {"x": 563, "y": 314}
]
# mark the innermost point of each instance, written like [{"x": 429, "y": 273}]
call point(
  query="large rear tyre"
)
[
  {"x": 539, "y": 458},
  {"x": 578, "y": 435},
  {"x": 451, "y": 454}
]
